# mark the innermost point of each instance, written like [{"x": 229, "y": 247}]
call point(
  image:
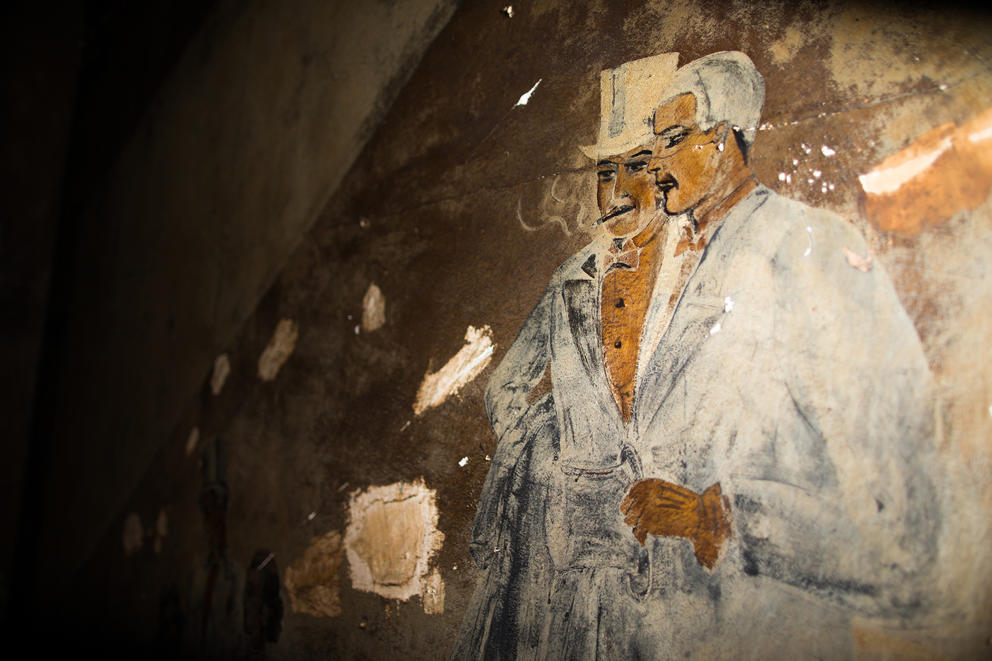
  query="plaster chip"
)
[
  {"x": 857, "y": 261},
  {"x": 433, "y": 596},
  {"x": 525, "y": 97},
  {"x": 133, "y": 535},
  {"x": 222, "y": 369},
  {"x": 373, "y": 309},
  {"x": 464, "y": 366},
  {"x": 391, "y": 538},
  {"x": 162, "y": 523},
  {"x": 279, "y": 349},
  {"x": 312, "y": 580},
  {"x": 192, "y": 440}
]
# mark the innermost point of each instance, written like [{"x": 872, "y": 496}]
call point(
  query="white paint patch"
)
[
  {"x": 781, "y": 176},
  {"x": 192, "y": 440},
  {"x": 433, "y": 596},
  {"x": 827, "y": 151},
  {"x": 280, "y": 348},
  {"x": 392, "y": 536},
  {"x": 716, "y": 328},
  {"x": 463, "y": 462},
  {"x": 508, "y": 10},
  {"x": 728, "y": 304},
  {"x": 525, "y": 97},
  {"x": 133, "y": 534},
  {"x": 373, "y": 309},
  {"x": 891, "y": 179},
  {"x": 809, "y": 235},
  {"x": 464, "y": 366},
  {"x": 816, "y": 174},
  {"x": 222, "y": 369},
  {"x": 981, "y": 136}
]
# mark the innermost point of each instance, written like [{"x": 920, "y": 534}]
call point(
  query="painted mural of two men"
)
[{"x": 733, "y": 460}]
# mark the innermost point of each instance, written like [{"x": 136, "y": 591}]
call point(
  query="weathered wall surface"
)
[
  {"x": 231, "y": 163},
  {"x": 458, "y": 210}
]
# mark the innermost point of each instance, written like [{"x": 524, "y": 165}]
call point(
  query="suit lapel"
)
[
  {"x": 696, "y": 315},
  {"x": 581, "y": 297}
]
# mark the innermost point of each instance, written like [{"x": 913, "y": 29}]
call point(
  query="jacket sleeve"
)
[
  {"x": 523, "y": 366},
  {"x": 516, "y": 420},
  {"x": 863, "y": 399}
]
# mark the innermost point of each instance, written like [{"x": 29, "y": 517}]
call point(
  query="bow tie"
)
[{"x": 626, "y": 255}]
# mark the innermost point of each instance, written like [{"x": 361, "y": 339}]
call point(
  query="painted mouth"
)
[{"x": 618, "y": 211}]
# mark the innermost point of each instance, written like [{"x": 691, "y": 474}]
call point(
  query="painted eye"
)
[
  {"x": 606, "y": 175},
  {"x": 636, "y": 166},
  {"x": 676, "y": 139}
]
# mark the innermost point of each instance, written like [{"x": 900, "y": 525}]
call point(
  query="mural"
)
[{"x": 739, "y": 433}]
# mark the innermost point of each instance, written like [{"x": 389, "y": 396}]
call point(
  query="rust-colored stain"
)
[
  {"x": 948, "y": 169},
  {"x": 657, "y": 507}
]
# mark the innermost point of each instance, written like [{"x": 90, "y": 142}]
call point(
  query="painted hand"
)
[{"x": 668, "y": 510}]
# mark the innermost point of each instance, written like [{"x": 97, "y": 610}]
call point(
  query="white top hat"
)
[{"x": 628, "y": 96}]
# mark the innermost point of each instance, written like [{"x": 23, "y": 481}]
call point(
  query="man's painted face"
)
[
  {"x": 625, "y": 187},
  {"x": 685, "y": 157}
]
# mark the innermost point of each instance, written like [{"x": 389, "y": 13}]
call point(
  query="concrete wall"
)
[
  {"x": 234, "y": 158},
  {"x": 459, "y": 209}
]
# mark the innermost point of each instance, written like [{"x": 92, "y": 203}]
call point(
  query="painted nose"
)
[{"x": 621, "y": 189}]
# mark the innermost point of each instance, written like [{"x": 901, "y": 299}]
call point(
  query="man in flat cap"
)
[{"x": 732, "y": 459}]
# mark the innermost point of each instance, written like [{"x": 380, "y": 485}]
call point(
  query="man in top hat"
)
[{"x": 548, "y": 529}]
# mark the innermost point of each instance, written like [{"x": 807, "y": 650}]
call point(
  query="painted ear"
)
[{"x": 721, "y": 132}]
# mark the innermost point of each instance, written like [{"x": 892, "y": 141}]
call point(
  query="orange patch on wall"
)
[{"x": 946, "y": 170}]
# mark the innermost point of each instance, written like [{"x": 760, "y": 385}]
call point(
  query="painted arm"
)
[
  {"x": 865, "y": 533},
  {"x": 517, "y": 422}
]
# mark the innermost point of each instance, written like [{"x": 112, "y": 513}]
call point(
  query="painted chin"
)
[{"x": 629, "y": 223}]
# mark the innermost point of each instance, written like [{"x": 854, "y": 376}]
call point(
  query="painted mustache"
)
[
  {"x": 618, "y": 211},
  {"x": 667, "y": 183}
]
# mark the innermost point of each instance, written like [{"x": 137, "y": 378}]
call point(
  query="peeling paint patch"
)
[
  {"x": 133, "y": 535},
  {"x": 391, "y": 538},
  {"x": 946, "y": 170},
  {"x": 463, "y": 462},
  {"x": 373, "y": 309},
  {"x": 312, "y": 580},
  {"x": 280, "y": 348},
  {"x": 464, "y": 366},
  {"x": 857, "y": 261},
  {"x": 222, "y": 369},
  {"x": 192, "y": 440}
]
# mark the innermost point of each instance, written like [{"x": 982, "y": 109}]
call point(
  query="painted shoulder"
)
[{"x": 792, "y": 231}]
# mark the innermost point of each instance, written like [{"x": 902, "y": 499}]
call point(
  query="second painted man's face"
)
[
  {"x": 626, "y": 188},
  {"x": 685, "y": 158}
]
